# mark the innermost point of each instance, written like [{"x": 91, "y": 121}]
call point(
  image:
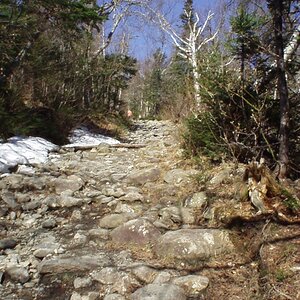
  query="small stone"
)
[
  {"x": 48, "y": 224},
  {"x": 99, "y": 233},
  {"x": 114, "y": 297},
  {"x": 69, "y": 201},
  {"x": 178, "y": 176},
  {"x": 132, "y": 196},
  {"x": 162, "y": 277},
  {"x": 10, "y": 199},
  {"x": 82, "y": 282},
  {"x": 159, "y": 292},
  {"x": 113, "y": 220},
  {"x": 18, "y": 274},
  {"x": 80, "y": 239},
  {"x": 73, "y": 183},
  {"x": 145, "y": 273},
  {"x": 75, "y": 296},
  {"x": 44, "y": 249},
  {"x": 193, "y": 285},
  {"x": 196, "y": 201},
  {"x": 7, "y": 244},
  {"x": 91, "y": 296},
  {"x": 1, "y": 277},
  {"x": 76, "y": 215}
]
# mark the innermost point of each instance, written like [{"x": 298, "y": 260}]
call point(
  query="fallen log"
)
[{"x": 95, "y": 146}]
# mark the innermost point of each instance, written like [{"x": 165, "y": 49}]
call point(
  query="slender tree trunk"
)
[
  {"x": 196, "y": 77},
  {"x": 277, "y": 12}
]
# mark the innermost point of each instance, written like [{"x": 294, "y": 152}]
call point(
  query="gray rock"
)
[
  {"x": 76, "y": 215},
  {"x": 143, "y": 176},
  {"x": 162, "y": 277},
  {"x": 32, "y": 205},
  {"x": 196, "y": 201},
  {"x": 178, "y": 176},
  {"x": 82, "y": 282},
  {"x": 44, "y": 249},
  {"x": 48, "y": 224},
  {"x": 10, "y": 199},
  {"x": 192, "y": 246},
  {"x": 106, "y": 275},
  {"x": 122, "y": 282},
  {"x": 193, "y": 285},
  {"x": 91, "y": 296},
  {"x": 144, "y": 273},
  {"x": 72, "y": 183},
  {"x": 159, "y": 292},
  {"x": 69, "y": 201},
  {"x": 22, "y": 198},
  {"x": 127, "y": 208},
  {"x": 1, "y": 277},
  {"x": 220, "y": 177},
  {"x": 116, "y": 193},
  {"x": 51, "y": 201},
  {"x": 18, "y": 274},
  {"x": 189, "y": 215},
  {"x": 170, "y": 215},
  {"x": 114, "y": 297},
  {"x": 75, "y": 296},
  {"x": 114, "y": 220},
  {"x": 74, "y": 264},
  {"x": 7, "y": 244},
  {"x": 99, "y": 233},
  {"x": 132, "y": 196},
  {"x": 136, "y": 232}
]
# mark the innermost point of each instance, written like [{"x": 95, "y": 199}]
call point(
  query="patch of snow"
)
[
  {"x": 81, "y": 136},
  {"x": 24, "y": 151}
]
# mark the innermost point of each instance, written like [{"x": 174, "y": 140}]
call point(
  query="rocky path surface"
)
[{"x": 117, "y": 223}]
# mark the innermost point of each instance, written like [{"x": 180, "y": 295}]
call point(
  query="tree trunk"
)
[
  {"x": 196, "y": 78},
  {"x": 277, "y": 12}
]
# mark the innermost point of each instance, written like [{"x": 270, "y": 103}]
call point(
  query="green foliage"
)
[
  {"x": 153, "y": 91},
  {"x": 290, "y": 201},
  {"x": 49, "y": 76},
  {"x": 245, "y": 25},
  {"x": 200, "y": 137},
  {"x": 280, "y": 275}
]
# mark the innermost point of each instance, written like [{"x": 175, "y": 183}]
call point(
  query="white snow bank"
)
[
  {"x": 81, "y": 136},
  {"x": 24, "y": 151}
]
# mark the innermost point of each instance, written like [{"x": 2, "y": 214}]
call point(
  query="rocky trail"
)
[{"x": 119, "y": 223}]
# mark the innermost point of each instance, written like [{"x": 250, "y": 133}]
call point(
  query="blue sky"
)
[{"x": 145, "y": 38}]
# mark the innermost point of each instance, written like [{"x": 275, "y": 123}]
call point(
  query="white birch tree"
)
[{"x": 190, "y": 45}]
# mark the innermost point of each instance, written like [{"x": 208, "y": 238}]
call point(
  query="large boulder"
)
[{"x": 192, "y": 246}]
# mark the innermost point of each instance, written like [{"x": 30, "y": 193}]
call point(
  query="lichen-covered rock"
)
[
  {"x": 192, "y": 246},
  {"x": 137, "y": 232},
  {"x": 193, "y": 285}
]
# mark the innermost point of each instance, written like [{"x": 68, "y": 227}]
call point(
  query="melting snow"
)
[
  {"x": 24, "y": 151},
  {"x": 34, "y": 150},
  {"x": 81, "y": 136}
]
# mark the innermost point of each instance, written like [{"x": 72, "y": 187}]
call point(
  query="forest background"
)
[{"x": 231, "y": 74}]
